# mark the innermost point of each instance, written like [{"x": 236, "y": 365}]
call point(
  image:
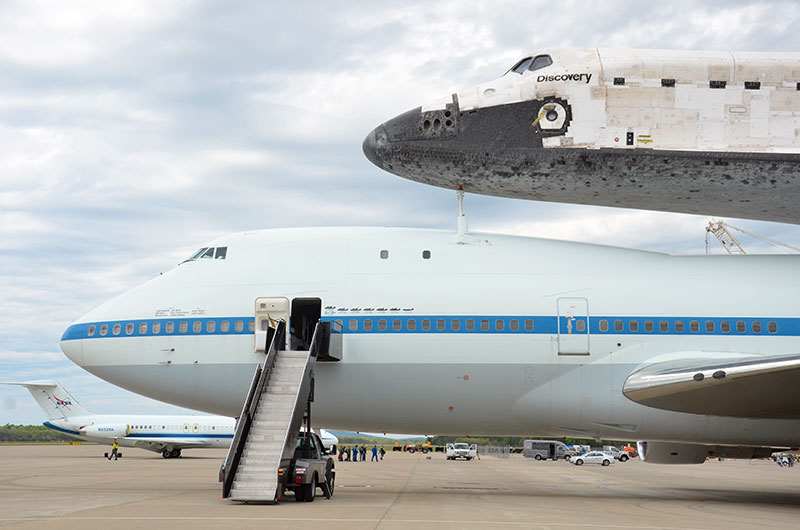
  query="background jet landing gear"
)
[{"x": 171, "y": 453}]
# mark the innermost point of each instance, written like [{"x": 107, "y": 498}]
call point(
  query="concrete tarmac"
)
[{"x": 73, "y": 487}]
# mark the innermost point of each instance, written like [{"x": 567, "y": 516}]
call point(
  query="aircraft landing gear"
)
[{"x": 171, "y": 453}]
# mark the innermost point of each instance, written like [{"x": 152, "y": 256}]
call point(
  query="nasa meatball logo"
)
[{"x": 565, "y": 77}]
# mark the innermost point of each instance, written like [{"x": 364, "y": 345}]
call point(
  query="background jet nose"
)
[{"x": 72, "y": 344}]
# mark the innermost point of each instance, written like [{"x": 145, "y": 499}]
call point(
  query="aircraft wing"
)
[
  {"x": 720, "y": 384},
  {"x": 157, "y": 443}
]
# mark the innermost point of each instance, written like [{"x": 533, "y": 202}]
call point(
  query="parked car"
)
[
  {"x": 617, "y": 453},
  {"x": 594, "y": 457}
]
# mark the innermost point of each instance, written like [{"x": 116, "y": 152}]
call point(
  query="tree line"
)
[{"x": 31, "y": 433}]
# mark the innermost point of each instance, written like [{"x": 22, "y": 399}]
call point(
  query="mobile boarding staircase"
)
[{"x": 279, "y": 398}]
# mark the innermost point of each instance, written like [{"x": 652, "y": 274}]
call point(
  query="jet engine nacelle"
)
[
  {"x": 105, "y": 431},
  {"x": 674, "y": 453}
]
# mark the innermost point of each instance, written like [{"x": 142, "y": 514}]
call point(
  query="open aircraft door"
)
[
  {"x": 269, "y": 311},
  {"x": 573, "y": 326}
]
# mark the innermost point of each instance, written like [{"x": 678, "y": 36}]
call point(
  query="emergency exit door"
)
[{"x": 573, "y": 326}]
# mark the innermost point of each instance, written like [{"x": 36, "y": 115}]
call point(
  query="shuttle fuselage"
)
[{"x": 712, "y": 133}]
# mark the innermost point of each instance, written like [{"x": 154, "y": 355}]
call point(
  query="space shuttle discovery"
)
[{"x": 712, "y": 133}]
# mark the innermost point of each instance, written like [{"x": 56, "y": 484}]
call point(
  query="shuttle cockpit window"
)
[
  {"x": 541, "y": 61},
  {"x": 532, "y": 64},
  {"x": 521, "y": 66}
]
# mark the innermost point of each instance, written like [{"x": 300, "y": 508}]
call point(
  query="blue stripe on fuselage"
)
[
  {"x": 481, "y": 324},
  {"x": 55, "y": 428}
]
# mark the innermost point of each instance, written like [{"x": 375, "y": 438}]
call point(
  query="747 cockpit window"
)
[
  {"x": 531, "y": 63},
  {"x": 209, "y": 253}
]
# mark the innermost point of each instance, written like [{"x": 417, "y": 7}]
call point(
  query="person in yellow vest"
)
[{"x": 114, "y": 449}]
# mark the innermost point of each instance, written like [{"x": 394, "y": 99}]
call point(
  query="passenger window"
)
[
  {"x": 541, "y": 61},
  {"x": 426, "y": 324},
  {"x": 580, "y": 325},
  {"x": 382, "y": 324},
  {"x": 384, "y": 254},
  {"x": 411, "y": 324},
  {"x": 143, "y": 328},
  {"x": 104, "y": 330},
  {"x": 484, "y": 325},
  {"x": 741, "y": 327},
  {"x": 499, "y": 325},
  {"x": 156, "y": 328},
  {"x": 648, "y": 325},
  {"x": 470, "y": 324},
  {"x": 694, "y": 325},
  {"x": 396, "y": 324},
  {"x": 208, "y": 254},
  {"x": 756, "y": 327},
  {"x": 521, "y": 66},
  {"x": 129, "y": 329},
  {"x": 455, "y": 325},
  {"x": 222, "y": 253},
  {"x": 604, "y": 325},
  {"x": 514, "y": 324},
  {"x": 183, "y": 327},
  {"x": 197, "y": 326},
  {"x": 368, "y": 324},
  {"x": 251, "y": 325},
  {"x": 211, "y": 326},
  {"x": 772, "y": 327},
  {"x": 90, "y": 331},
  {"x": 679, "y": 326},
  {"x": 633, "y": 325},
  {"x": 663, "y": 326},
  {"x": 426, "y": 254},
  {"x": 238, "y": 326},
  {"x": 528, "y": 325},
  {"x": 725, "y": 326},
  {"x": 116, "y": 329},
  {"x": 709, "y": 326},
  {"x": 618, "y": 326},
  {"x": 353, "y": 325},
  {"x": 225, "y": 326},
  {"x": 440, "y": 324}
]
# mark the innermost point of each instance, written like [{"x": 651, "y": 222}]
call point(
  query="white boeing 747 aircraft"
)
[
  {"x": 476, "y": 334},
  {"x": 163, "y": 434}
]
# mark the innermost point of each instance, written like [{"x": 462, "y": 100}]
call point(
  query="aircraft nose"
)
[
  {"x": 370, "y": 146},
  {"x": 72, "y": 343}
]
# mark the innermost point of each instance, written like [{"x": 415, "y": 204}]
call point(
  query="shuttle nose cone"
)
[
  {"x": 370, "y": 146},
  {"x": 72, "y": 343}
]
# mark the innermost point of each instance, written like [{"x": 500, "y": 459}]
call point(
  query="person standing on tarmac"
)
[
  {"x": 383, "y": 452},
  {"x": 374, "y": 453},
  {"x": 114, "y": 450},
  {"x": 355, "y": 453},
  {"x": 363, "y": 453}
]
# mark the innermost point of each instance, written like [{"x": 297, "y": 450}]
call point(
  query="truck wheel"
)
[
  {"x": 469, "y": 458},
  {"x": 623, "y": 458},
  {"x": 310, "y": 489},
  {"x": 538, "y": 457},
  {"x": 424, "y": 450},
  {"x": 330, "y": 481}
]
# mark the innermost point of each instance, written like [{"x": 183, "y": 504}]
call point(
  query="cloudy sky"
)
[{"x": 133, "y": 132}]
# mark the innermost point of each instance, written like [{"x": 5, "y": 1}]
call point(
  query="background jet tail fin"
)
[{"x": 54, "y": 399}]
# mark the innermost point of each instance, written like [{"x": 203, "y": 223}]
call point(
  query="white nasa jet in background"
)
[
  {"x": 165, "y": 434},
  {"x": 481, "y": 334}
]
